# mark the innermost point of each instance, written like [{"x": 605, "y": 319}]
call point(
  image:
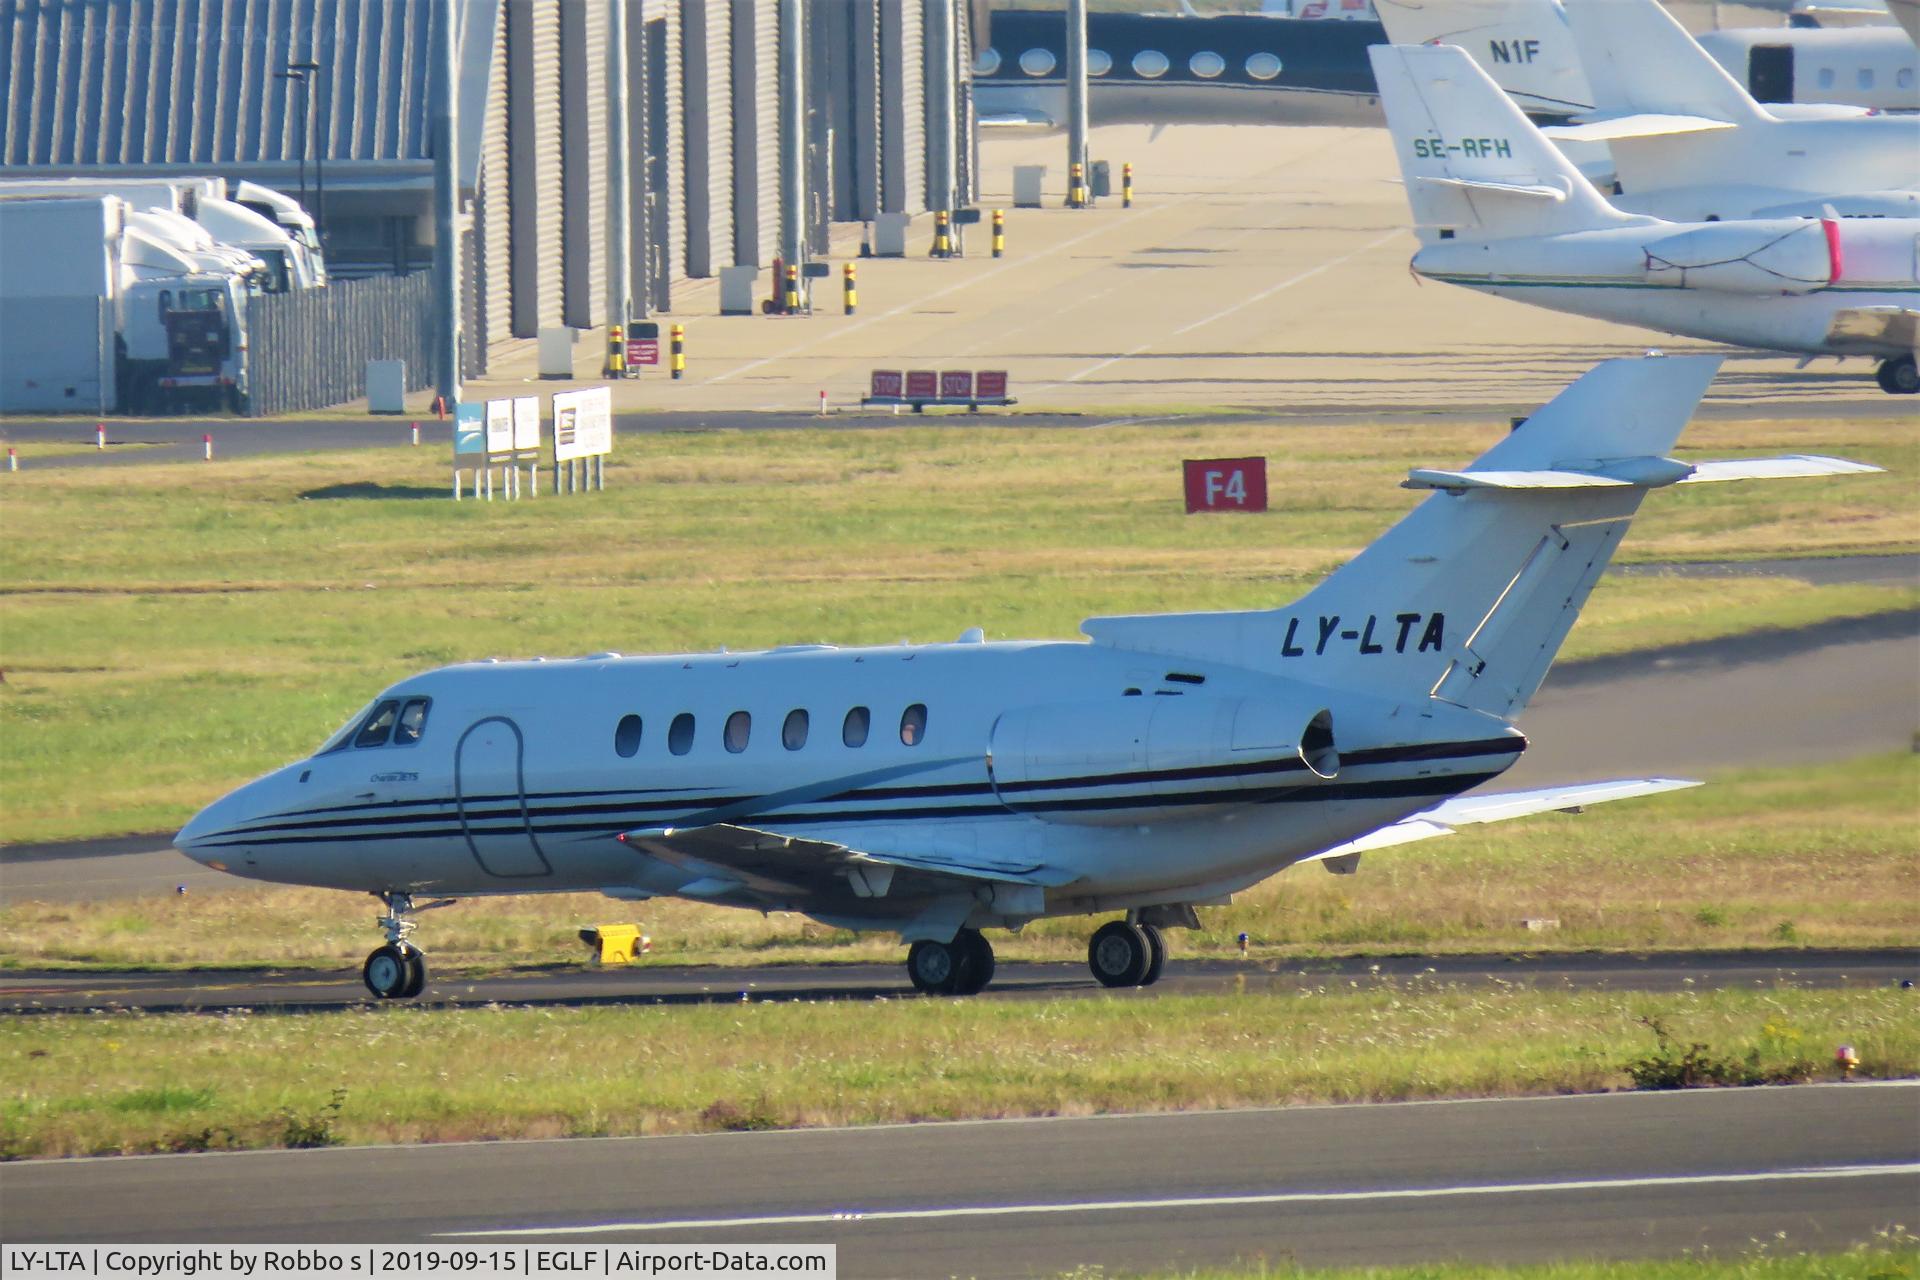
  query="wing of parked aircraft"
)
[
  {"x": 1019, "y": 120},
  {"x": 1442, "y": 819},
  {"x": 1639, "y": 124}
]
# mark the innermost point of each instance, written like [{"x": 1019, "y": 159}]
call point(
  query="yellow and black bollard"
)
[
  {"x": 852, "y": 298},
  {"x": 793, "y": 289},
  {"x": 942, "y": 241},
  {"x": 1126, "y": 185},
  {"x": 999, "y": 232},
  {"x": 1076, "y": 186},
  {"x": 679, "y": 350},
  {"x": 616, "y": 351}
]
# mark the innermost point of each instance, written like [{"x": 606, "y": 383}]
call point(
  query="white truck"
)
[
  {"x": 266, "y": 223},
  {"x": 104, "y": 307}
]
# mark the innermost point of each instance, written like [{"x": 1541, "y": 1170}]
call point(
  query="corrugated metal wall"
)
[
  {"x": 756, "y": 131},
  {"x": 310, "y": 347},
  {"x": 670, "y": 190},
  {"x": 640, "y": 253},
  {"x": 966, "y": 134},
  {"x": 533, "y": 139},
  {"x": 583, "y": 101},
  {"x": 495, "y": 202},
  {"x": 707, "y": 48},
  {"x": 903, "y": 107},
  {"x": 864, "y": 109}
]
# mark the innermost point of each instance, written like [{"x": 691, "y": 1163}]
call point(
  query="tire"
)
[
  {"x": 387, "y": 973},
  {"x": 932, "y": 967},
  {"x": 416, "y": 973},
  {"x": 1899, "y": 376},
  {"x": 1157, "y": 955},
  {"x": 1118, "y": 954},
  {"x": 977, "y": 969}
]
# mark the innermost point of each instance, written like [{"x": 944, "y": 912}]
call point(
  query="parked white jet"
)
[
  {"x": 1498, "y": 209},
  {"x": 937, "y": 790},
  {"x": 1686, "y": 140}
]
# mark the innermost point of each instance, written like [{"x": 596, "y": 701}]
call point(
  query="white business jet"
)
[
  {"x": 1686, "y": 141},
  {"x": 937, "y": 790},
  {"x": 1499, "y": 210}
]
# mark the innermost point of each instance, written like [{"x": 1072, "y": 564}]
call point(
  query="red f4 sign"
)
[{"x": 1226, "y": 484}]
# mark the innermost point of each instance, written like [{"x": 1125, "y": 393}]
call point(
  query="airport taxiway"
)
[{"x": 1616, "y": 1175}]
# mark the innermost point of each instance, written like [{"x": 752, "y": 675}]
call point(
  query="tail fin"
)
[
  {"x": 1469, "y": 597},
  {"x": 1471, "y": 160},
  {"x": 1640, "y": 61},
  {"x": 1525, "y": 45}
]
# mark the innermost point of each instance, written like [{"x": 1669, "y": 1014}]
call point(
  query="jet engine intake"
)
[
  {"x": 1759, "y": 258},
  {"x": 1144, "y": 759}
]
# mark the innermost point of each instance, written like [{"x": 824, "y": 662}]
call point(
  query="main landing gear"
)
[
  {"x": 1125, "y": 954},
  {"x": 397, "y": 971},
  {"x": 962, "y": 967},
  {"x": 1898, "y": 376}
]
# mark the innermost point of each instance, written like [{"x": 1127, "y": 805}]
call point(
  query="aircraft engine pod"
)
[
  {"x": 1090, "y": 763},
  {"x": 1785, "y": 257}
]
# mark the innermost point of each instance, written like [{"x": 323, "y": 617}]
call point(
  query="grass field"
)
[
  {"x": 103, "y": 1083},
  {"x": 1822, "y": 856},
  {"x": 172, "y": 630},
  {"x": 1894, "y": 1254}
]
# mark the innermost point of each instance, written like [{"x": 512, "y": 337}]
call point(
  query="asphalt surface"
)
[
  {"x": 1625, "y": 1175},
  {"x": 213, "y": 991}
]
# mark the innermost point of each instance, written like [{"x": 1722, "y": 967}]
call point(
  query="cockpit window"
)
[
  {"x": 412, "y": 722},
  {"x": 379, "y": 725},
  {"x": 343, "y": 736}
]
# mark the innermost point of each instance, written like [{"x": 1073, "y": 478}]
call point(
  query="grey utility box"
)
[
  {"x": 386, "y": 386},
  {"x": 736, "y": 289},
  {"x": 1028, "y": 182},
  {"x": 556, "y": 351},
  {"x": 1100, "y": 181},
  {"x": 890, "y": 235}
]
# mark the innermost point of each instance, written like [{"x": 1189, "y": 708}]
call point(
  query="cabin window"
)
[
  {"x": 913, "y": 725},
  {"x": 853, "y": 731},
  {"x": 1826, "y": 77},
  {"x": 1263, "y": 66},
  {"x": 739, "y": 729},
  {"x": 626, "y": 736},
  {"x": 1206, "y": 65},
  {"x": 1036, "y": 62},
  {"x": 1150, "y": 63},
  {"x": 379, "y": 725},
  {"x": 680, "y": 734},
  {"x": 1904, "y": 77},
  {"x": 793, "y": 734},
  {"x": 987, "y": 63},
  {"x": 412, "y": 722},
  {"x": 1099, "y": 62},
  {"x": 1866, "y": 77}
]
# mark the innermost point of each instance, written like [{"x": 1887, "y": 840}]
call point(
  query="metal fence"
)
[{"x": 309, "y": 348}]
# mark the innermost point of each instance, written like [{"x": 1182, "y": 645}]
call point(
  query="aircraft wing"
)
[
  {"x": 1018, "y": 120},
  {"x": 1535, "y": 191},
  {"x": 1876, "y": 326},
  {"x": 725, "y": 857},
  {"x": 1498, "y": 806},
  {"x": 1638, "y": 125}
]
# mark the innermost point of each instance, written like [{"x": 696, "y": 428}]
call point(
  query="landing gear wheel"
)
[
  {"x": 387, "y": 973},
  {"x": 1118, "y": 954},
  {"x": 1157, "y": 947},
  {"x": 416, "y": 973},
  {"x": 1899, "y": 376},
  {"x": 976, "y": 969},
  {"x": 932, "y": 967}
]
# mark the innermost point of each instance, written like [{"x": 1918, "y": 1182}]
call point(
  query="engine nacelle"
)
[
  {"x": 1150, "y": 759},
  {"x": 1759, "y": 258}
]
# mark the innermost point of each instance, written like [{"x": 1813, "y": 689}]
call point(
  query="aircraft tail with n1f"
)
[{"x": 1469, "y": 597}]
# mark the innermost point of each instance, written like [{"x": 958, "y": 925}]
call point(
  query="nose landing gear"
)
[{"x": 398, "y": 970}]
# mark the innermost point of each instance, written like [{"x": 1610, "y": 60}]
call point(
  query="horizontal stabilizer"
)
[
  {"x": 1536, "y": 191},
  {"x": 1646, "y": 473},
  {"x": 1018, "y": 120},
  {"x": 1498, "y": 807},
  {"x": 1639, "y": 124}
]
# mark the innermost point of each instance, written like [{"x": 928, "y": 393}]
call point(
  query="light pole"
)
[
  {"x": 299, "y": 77},
  {"x": 311, "y": 71}
]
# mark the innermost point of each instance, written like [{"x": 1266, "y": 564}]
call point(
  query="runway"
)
[
  {"x": 1626, "y": 1175},
  {"x": 304, "y": 991}
]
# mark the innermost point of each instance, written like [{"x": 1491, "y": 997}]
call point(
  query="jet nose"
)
[{"x": 207, "y": 835}]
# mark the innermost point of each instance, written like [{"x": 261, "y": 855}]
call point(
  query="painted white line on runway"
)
[{"x": 1209, "y": 1202}]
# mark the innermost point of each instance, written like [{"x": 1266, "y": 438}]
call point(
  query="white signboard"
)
[
  {"x": 499, "y": 426},
  {"x": 526, "y": 423},
  {"x": 582, "y": 423}
]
